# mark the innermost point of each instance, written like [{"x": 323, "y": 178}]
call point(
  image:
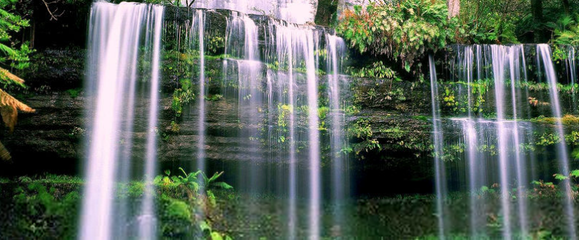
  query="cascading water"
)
[
  {"x": 286, "y": 50},
  {"x": 314, "y": 137},
  {"x": 279, "y": 102},
  {"x": 571, "y": 65},
  {"x": 495, "y": 107},
  {"x": 148, "y": 222},
  {"x": 340, "y": 183},
  {"x": 198, "y": 36},
  {"x": 292, "y": 49},
  {"x": 438, "y": 151},
  {"x": 115, "y": 36},
  {"x": 544, "y": 51}
]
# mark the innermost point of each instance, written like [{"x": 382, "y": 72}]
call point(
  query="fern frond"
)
[
  {"x": 9, "y": 107},
  {"x": 7, "y": 76},
  {"x": 4, "y": 153},
  {"x": 7, "y": 50}
]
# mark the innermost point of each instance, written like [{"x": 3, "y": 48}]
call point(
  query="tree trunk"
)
[
  {"x": 566, "y": 6},
  {"x": 32, "y": 33},
  {"x": 314, "y": 9},
  {"x": 453, "y": 8},
  {"x": 537, "y": 11}
]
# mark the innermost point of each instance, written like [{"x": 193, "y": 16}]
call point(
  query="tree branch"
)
[{"x": 53, "y": 15}]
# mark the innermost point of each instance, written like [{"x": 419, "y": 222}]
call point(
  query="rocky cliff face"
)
[
  {"x": 396, "y": 113},
  {"x": 52, "y": 139},
  {"x": 294, "y": 11}
]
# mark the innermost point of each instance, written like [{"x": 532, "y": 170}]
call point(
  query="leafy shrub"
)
[
  {"x": 44, "y": 212},
  {"x": 186, "y": 201},
  {"x": 403, "y": 32},
  {"x": 375, "y": 70},
  {"x": 492, "y": 21},
  {"x": 566, "y": 30}
]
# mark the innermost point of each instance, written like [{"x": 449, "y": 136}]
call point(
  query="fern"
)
[
  {"x": 16, "y": 56},
  {"x": 566, "y": 30}
]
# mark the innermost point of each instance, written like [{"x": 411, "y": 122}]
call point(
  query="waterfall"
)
[
  {"x": 115, "y": 36},
  {"x": 199, "y": 36},
  {"x": 499, "y": 58},
  {"x": 285, "y": 52},
  {"x": 493, "y": 116},
  {"x": 314, "y": 137},
  {"x": 571, "y": 65},
  {"x": 148, "y": 226},
  {"x": 544, "y": 51},
  {"x": 289, "y": 116},
  {"x": 438, "y": 151},
  {"x": 340, "y": 182},
  {"x": 293, "y": 51}
]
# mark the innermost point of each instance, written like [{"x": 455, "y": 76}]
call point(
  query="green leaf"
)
[
  {"x": 560, "y": 177},
  {"x": 215, "y": 176},
  {"x": 216, "y": 236},
  {"x": 204, "y": 226},
  {"x": 484, "y": 189},
  {"x": 225, "y": 185}
]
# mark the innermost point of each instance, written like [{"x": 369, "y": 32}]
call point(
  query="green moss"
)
[
  {"x": 74, "y": 92},
  {"x": 214, "y": 97},
  {"x": 565, "y": 120}
]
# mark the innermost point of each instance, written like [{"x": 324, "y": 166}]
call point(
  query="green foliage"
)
[
  {"x": 45, "y": 211},
  {"x": 362, "y": 130},
  {"x": 215, "y": 44},
  {"x": 74, "y": 92},
  {"x": 181, "y": 96},
  {"x": 375, "y": 70},
  {"x": 560, "y": 177},
  {"x": 449, "y": 101},
  {"x": 566, "y": 30},
  {"x": 575, "y": 154},
  {"x": 403, "y": 31},
  {"x": 176, "y": 216},
  {"x": 214, "y": 97},
  {"x": 175, "y": 127},
  {"x": 452, "y": 103},
  {"x": 283, "y": 115},
  {"x": 193, "y": 184},
  {"x": 485, "y": 189},
  {"x": 46, "y": 207},
  {"x": 565, "y": 120},
  {"x": 544, "y": 189},
  {"x": 188, "y": 198},
  {"x": 13, "y": 53},
  {"x": 322, "y": 114},
  {"x": 300, "y": 68},
  {"x": 491, "y": 21},
  {"x": 558, "y": 54}
]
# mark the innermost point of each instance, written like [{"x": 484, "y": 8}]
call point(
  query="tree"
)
[
  {"x": 13, "y": 55},
  {"x": 537, "y": 12},
  {"x": 566, "y": 6},
  {"x": 453, "y": 8}
]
